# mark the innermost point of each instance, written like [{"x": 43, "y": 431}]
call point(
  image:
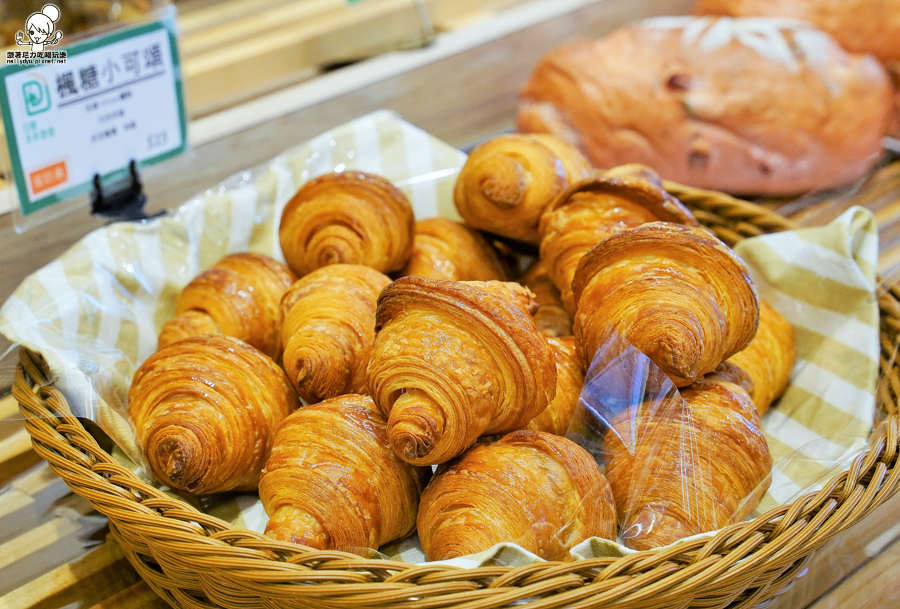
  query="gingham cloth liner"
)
[{"x": 95, "y": 312}]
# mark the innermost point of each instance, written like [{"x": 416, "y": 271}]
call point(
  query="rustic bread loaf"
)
[{"x": 759, "y": 106}]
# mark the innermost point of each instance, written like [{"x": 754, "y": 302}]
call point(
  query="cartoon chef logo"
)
[{"x": 40, "y": 29}]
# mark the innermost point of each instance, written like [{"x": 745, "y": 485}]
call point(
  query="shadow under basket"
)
[{"x": 194, "y": 560}]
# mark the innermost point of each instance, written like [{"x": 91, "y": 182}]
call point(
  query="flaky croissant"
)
[
  {"x": 769, "y": 358},
  {"x": 678, "y": 294},
  {"x": 329, "y": 328},
  {"x": 332, "y": 481},
  {"x": 239, "y": 296},
  {"x": 688, "y": 468},
  {"x": 590, "y": 210},
  {"x": 351, "y": 218},
  {"x": 444, "y": 249},
  {"x": 555, "y": 418},
  {"x": 454, "y": 360},
  {"x": 508, "y": 181},
  {"x": 205, "y": 410},
  {"x": 551, "y": 317},
  {"x": 540, "y": 491}
]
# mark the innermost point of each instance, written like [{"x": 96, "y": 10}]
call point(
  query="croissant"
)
[
  {"x": 444, "y": 249},
  {"x": 239, "y": 296},
  {"x": 350, "y": 217},
  {"x": 683, "y": 469},
  {"x": 540, "y": 491},
  {"x": 454, "y": 360},
  {"x": 332, "y": 481},
  {"x": 551, "y": 317},
  {"x": 678, "y": 294},
  {"x": 769, "y": 358},
  {"x": 589, "y": 211},
  {"x": 329, "y": 328},
  {"x": 508, "y": 181},
  {"x": 555, "y": 418},
  {"x": 205, "y": 410}
]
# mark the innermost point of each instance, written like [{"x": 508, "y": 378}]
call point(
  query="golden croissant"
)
[
  {"x": 556, "y": 417},
  {"x": 686, "y": 468},
  {"x": 205, "y": 410},
  {"x": 676, "y": 293},
  {"x": 332, "y": 481},
  {"x": 540, "y": 491},
  {"x": 769, "y": 358},
  {"x": 551, "y": 317},
  {"x": 508, "y": 181},
  {"x": 589, "y": 211},
  {"x": 239, "y": 296},
  {"x": 329, "y": 328},
  {"x": 444, "y": 249},
  {"x": 351, "y": 218},
  {"x": 453, "y": 361}
]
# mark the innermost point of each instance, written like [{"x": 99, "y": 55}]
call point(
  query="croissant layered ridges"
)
[
  {"x": 329, "y": 328},
  {"x": 769, "y": 358},
  {"x": 677, "y": 293},
  {"x": 551, "y": 317},
  {"x": 538, "y": 490},
  {"x": 205, "y": 410},
  {"x": 508, "y": 181},
  {"x": 240, "y": 295},
  {"x": 351, "y": 218},
  {"x": 695, "y": 467},
  {"x": 453, "y": 361},
  {"x": 332, "y": 482},
  {"x": 444, "y": 249},
  {"x": 555, "y": 418},
  {"x": 589, "y": 211}
]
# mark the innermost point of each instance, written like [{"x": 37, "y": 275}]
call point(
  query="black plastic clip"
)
[{"x": 123, "y": 200}]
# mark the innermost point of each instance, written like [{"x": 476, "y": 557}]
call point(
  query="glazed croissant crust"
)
[
  {"x": 205, "y": 410},
  {"x": 769, "y": 358},
  {"x": 551, "y": 317},
  {"x": 239, "y": 296},
  {"x": 714, "y": 439},
  {"x": 351, "y": 218},
  {"x": 329, "y": 328},
  {"x": 508, "y": 181},
  {"x": 453, "y": 361},
  {"x": 590, "y": 210},
  {"x": 676, "y": 293},
  {"x": 555, "y": 418},
  {"x": 444, "y": 249},
  {"x": 541, "y": 491},
  {"x": 332, "y": 481}
]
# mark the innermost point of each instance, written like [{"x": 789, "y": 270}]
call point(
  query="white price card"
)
[{"x": 117, "y": 98}]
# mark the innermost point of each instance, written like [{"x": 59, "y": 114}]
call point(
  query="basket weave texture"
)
[{"x": 194, "y": 560}]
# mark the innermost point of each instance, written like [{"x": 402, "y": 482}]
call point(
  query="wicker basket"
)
[{"x": 194, "y": 560}]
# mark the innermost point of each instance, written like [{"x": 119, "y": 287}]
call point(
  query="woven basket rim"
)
[{"x": 744, "y": 563}]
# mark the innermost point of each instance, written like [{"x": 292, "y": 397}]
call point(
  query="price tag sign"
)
[{"x": 117, "y": 98}]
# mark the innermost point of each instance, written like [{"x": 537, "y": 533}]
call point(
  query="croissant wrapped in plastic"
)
[
  {"x": 541, "y": 491},
  {"x": 205, "y": 410},
  {"x": 239, "y": 296},
  {"x": 556, "y": 417},
  {"x": 456, "y": 360},
  {"x": 351, "y": 218},
  {"x": 551, "y": 317},
  {"x": 508, "y": 181},
  {"x": 589, "y": 211},
  {"x": 444, "y": 249},
  {"x": 685, "y": 469},
  {"x": 329, "y": 328},
  {"x": 769, "y": 358},
  {"x": 332, "y": 481},
  {"x": 676, "y": 293}
]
